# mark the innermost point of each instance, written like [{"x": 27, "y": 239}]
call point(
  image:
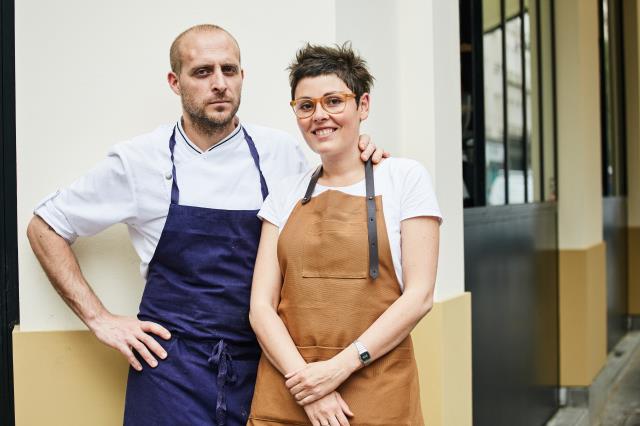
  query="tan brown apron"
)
[{"x": 328, "y": 299}]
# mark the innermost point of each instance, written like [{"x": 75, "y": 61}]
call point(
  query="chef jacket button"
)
[{"x": 168, "y": 176}]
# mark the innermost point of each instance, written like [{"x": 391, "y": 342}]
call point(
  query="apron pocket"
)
[
  {"x": 272, "y": 402},
  {"x": 334, "y": 249}
]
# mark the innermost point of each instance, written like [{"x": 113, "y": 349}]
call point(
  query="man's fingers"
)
[
  {"x": 386, "y": 154},
  {"x": 128, "y": 354},
  {"x": 154, "y": 346},
  {"x": 157, "y": 329},
  {"x": 333, "y": 421},
  {"x": 377, "y": 156},
  {"x": 363, "y": 142},
  {"x": 367, "y": 152},
  {"x": 144, "y": 352}
]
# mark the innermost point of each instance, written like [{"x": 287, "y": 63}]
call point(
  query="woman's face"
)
[{"x": 325, "y": 133}]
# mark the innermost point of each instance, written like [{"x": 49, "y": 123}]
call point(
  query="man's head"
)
[
  {"x": 315, "y": 61},
  {"x": 206, "y": 74}
]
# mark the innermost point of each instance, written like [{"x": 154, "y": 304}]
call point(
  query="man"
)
[{"x": 189, "y": 193}]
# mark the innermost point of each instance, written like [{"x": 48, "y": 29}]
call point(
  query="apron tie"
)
[{"x": 222, "y": 360}]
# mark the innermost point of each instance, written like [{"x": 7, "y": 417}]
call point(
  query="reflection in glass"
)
[
  {"x": 493, "y": 103},
  {"x": 547, "y": 96},
  {"x": 612, "y": 99},
  {"x": 532, "y": 135},
  {"x": 515, "y": 105}
]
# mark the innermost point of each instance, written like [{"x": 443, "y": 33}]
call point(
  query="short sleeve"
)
[
  {"x": 102, "y": 197},
  {"x": 271, "y": 209},
  {"x": 418, "y": 197}
]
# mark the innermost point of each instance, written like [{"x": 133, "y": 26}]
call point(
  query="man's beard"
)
[{"x": 205, "y": 124}]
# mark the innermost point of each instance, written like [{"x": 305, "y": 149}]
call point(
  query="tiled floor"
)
[
  {"x": 623, "y": 406},
  {"x": 615, "y": 393}
]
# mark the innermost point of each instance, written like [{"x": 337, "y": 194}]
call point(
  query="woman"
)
[{"x": 336, "y": 290}]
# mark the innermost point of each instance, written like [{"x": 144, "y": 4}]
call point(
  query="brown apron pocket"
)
[
  {"x": 272, "y": 402},
  {"x": 329, "y": 247}
]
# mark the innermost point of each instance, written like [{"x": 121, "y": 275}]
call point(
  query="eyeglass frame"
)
[{"x": 315, "y": 101}]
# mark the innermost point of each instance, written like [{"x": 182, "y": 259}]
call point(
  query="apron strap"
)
[
  {"x": 312, "y": 185},
  {"x": 256, "y": 160},
  {"x": 372, "y": 227},
  {"x": 175, "y": 192},
  {"x": 222, "y": 360}
]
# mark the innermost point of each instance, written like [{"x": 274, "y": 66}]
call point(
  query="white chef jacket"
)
[{"x": 132, "y": 185}]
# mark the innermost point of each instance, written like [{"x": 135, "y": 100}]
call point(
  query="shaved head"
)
[{"x": 175, "y": 54}]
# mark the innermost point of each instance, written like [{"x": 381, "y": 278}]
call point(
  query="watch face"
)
[{"x": 365, "y": 356}]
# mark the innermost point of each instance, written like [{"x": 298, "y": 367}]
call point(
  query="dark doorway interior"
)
[{"x": 8, "y": 214}]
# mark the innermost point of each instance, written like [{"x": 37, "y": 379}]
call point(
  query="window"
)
[
  {"x": 508, "y": 98},
  {"x": 612, "y": 98}
]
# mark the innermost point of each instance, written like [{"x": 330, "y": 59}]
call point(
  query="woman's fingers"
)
[{"x": 343, "y": 405}]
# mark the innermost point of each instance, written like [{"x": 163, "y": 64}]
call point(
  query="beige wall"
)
[
  {"x": 578, "y": 97},
  {"x": 632, "y": 70}
]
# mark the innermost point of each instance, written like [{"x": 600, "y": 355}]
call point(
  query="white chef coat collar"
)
[{"x": 181, "y": 134}]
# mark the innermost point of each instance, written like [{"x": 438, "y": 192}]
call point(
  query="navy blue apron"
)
[{"x": 198, "y": 287}]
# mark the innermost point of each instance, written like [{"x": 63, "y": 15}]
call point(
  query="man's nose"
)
[{"x": 218, "y": 82}]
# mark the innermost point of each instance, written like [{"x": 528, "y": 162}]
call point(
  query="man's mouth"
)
[{"x": 324, "y": 131}]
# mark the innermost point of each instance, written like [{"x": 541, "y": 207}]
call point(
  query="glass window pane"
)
[
  {"x": 493, "y": 103},
  {"x": 547, "y": 98},
  {"x": 534, "y": 193},
  {"x": 515, "y": 110}
]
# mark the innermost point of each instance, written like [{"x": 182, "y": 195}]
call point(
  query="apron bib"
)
[
  {"x": 329, "y": 297},
  {"x": 198, "y": 287}
]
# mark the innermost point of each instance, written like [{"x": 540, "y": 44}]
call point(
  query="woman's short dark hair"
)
[{"x": 315, "y": 60}]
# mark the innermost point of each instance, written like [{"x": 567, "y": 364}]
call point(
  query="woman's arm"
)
[
  {"x": 272, "y": 334},
  {"x": 420, "y": 240}
]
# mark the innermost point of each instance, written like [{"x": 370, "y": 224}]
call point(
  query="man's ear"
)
[{"x": 174, "y": 82}]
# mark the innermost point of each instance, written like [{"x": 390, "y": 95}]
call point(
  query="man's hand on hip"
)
[{"x": 126, "y": 334}]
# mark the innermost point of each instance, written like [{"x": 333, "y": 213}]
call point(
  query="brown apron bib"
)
[{"x": 328, "y": 299}]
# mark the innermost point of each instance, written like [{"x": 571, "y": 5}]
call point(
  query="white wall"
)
[
  {"x": 412, "y": 47},
  {"x": 90, "y": 74}
]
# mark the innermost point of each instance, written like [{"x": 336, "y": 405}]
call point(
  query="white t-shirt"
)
[
  {"x": 132, "y": 185},
  {"x": 405, "y": 187}
]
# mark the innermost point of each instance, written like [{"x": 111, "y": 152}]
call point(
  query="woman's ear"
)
[{"x": 363, "y": 107}]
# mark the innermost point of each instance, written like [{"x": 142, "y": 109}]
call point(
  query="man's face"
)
[{"x": 210, "y": 79}]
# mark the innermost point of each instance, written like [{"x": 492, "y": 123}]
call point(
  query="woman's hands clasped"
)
[
  {"x": 316, "y": 380},
  {"x": 330, "y": 410}
]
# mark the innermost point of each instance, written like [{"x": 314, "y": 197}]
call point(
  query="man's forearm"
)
[{"x": 62, "y": 268}]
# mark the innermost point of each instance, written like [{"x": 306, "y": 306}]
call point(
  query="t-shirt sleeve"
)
[
  {"x": 102, "y": 197},
  {"x": 418, "y": 197},
  {"x": 270, "y": 210}
]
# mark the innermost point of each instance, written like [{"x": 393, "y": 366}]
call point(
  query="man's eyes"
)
[
  {"x": 229, "y": 69},
  {"x": 226, "y": 70}
]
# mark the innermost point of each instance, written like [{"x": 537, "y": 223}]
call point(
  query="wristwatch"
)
[{"x": 363, "y": 353}]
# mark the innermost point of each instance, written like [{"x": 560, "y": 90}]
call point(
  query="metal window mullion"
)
[
  {"x": 505, "y": 121},
  {"x": 554, "y": 98},
  {"x": 480, "y": 166},
  {"x": 524, "y": 103},
  {"x": 540, "y": 97}
]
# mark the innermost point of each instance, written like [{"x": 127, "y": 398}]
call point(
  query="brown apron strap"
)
[{"x": 372, "y": 228}]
